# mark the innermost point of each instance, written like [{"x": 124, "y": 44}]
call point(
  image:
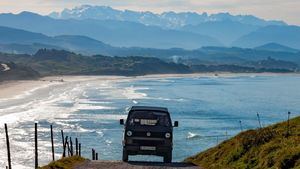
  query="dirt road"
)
[{"x": 132, "y": 165}]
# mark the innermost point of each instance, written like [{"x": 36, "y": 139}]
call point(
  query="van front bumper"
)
[
  {"x": 136, "y": 146},
  {"x": 137, "y": 150}
]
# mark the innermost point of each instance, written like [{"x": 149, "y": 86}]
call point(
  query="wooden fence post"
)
[
  {"x": 76, "y": 146},
  {"x": 64, "y": 148},
  {"x": 93, "y": 154},
  {"x": 8, "y": 147},
  {"x": 52, "y": 143},
  {"x": 63, "y": 141},
  {"x": 71, "y": 146},
  {"x": 36, "y": 146},
  {"x": 241, "y": 126},
  {"x": 258, "y": 118},
  {"x": 79, "y": 149},
  {"x": 288, "y": 125},
  {"x": 68, "y": 146}
]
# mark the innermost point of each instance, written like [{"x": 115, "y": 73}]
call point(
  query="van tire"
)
[
  {"x": 168, "y": 157},
  {"x": 125, "y": 155}
]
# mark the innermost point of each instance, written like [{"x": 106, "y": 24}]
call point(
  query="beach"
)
[{"x": 11, "y": 89}]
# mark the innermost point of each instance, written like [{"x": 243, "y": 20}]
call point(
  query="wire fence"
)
[{"x": 56, "y": 143}]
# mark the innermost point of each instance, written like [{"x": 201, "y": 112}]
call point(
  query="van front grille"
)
[
  {"x": 153, "y": 134},
  {"x": 149, "y": 142}
]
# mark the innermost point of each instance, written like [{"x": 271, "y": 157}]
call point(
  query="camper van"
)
[{"x": 148, "y": 131}]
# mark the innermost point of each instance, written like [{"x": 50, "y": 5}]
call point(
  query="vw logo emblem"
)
[{"x": 148, "y": 134}]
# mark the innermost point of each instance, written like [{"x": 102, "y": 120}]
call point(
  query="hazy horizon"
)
[{"x": 285, "y": 11}]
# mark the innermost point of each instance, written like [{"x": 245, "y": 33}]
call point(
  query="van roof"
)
[{"x": 163, "y": 109}]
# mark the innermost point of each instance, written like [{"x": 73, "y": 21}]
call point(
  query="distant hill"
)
[
  {"x": 284, "y": 35},
  {"x": 239, "y": 56},
  {"x": 268, "y": 147},
  {"x": 61, "y": 62},
  {"x": 24, "y": 42},
  {"x": 84, "y": 45},
  {"x": 12, "y": 71},
  {"x": 276, "y": 48},
  {"x": 16, "y": 48},
  {"x": 167, "y": 20},
  {"x": 113, "y": 32},
  {"x": 11, "y": 35},
  {"x": 226, "y": 31}
]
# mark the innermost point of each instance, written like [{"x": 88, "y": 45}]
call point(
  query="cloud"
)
[{"x": 287, "y": 10}]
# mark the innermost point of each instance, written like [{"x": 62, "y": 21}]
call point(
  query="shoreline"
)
[{"x": 14, "y": 88}]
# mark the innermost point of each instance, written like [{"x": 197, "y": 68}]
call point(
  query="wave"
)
[
  {"x": 191, "y": 135},
  {"x": 108, "y": 142},
  {"x": 169, "y": 99},
  {"x": 29, "y": 92},
  {"x": 106, "y": 116},
  {"x": 131, "y": 93},
  {"x": 135, "y": 102},
  {"x": 87, "y": 101},
  {"x": 92, "y": 107}
]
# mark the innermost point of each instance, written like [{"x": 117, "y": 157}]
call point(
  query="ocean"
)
[{"x": 209, "y": 110}]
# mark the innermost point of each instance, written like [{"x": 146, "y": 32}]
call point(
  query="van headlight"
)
[
  {"x": 129, "y": 133},
  {"x": 167, "y": 135}
]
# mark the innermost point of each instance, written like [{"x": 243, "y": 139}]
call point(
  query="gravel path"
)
[{"x": 132, "y": 165}]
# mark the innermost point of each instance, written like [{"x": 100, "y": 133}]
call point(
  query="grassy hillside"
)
[
  {"x": 268, "y": 147},
  {"x": 16, "y": 72}
]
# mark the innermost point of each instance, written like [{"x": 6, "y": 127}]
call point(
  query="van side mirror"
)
[
  {"x": 121, "y": 121},
  {"x": 176, "y": 124}
]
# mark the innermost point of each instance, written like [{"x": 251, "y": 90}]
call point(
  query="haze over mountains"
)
[
  {"x": 24, "y": 42},
  {"x": 113, "y": 32},
  {"x": 185, "y": 30},
  {"x": 178, "y": 37}
]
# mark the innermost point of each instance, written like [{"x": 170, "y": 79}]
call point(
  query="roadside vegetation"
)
[
  {"x": 65, "y": 163},
  {"x": 274, "y": 147}
]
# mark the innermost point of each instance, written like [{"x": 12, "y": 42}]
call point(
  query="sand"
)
[{"x": 12, "y": 89}]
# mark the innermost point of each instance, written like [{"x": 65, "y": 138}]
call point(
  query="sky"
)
[{"x": 286, "y": 10}]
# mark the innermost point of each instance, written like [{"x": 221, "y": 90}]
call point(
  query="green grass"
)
[
  {"x": 269, "y": 147},
  {"x": 65, "y": 163}
]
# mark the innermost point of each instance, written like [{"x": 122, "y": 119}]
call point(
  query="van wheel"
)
[
  {"x": 125, "y": 155},
  {"x": 168, "y": 157}
]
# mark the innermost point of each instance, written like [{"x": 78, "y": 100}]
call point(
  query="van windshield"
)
[{"x": 149, "y": 118}]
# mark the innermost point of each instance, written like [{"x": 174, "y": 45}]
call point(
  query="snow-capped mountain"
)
[{"x": 170, "y": 20}]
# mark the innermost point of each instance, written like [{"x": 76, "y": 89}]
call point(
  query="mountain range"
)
[
  {"x": 187, "y": 30},
  {"x": 24, "y": 42},
  {"x": 224, "y": 27},
  {"x": 113, "y": 32},
  {"x": 168, "y": 20}
]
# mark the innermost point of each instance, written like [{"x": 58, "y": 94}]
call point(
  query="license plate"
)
[
  {"x": 148, "y": 148},
  {"x": 148, "y": 122}
]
